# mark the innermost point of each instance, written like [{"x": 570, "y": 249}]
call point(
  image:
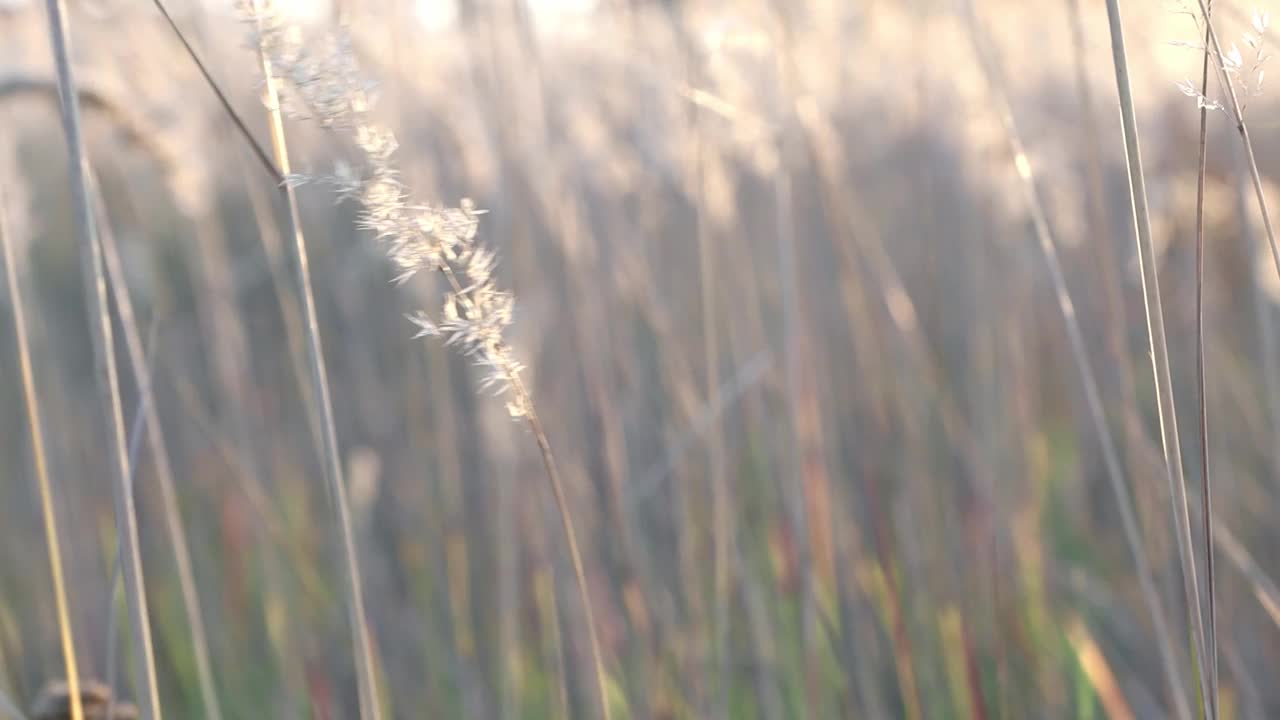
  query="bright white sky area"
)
[{"x": 435, "y": 15}]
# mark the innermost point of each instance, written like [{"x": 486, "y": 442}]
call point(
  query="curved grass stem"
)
[{"x": 571, "y": 538}]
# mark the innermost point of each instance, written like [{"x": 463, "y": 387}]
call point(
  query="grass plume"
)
[{"x": 419, "y": 238}]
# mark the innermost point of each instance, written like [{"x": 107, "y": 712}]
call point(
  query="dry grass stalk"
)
[
  {"x": 40, "y": 457},
  {"x": 1159, "y": 351},
  {"x": 1203, "y": 415},
  {"x": 1080, "y": 355},
  {"x": 141, "y": 134},
  {"x": 108, "y": 381},
  {"x": 363, "y": 649},
  {"x": 1263, "y": 587},
  {"x": 174, "y": 524},
  {"x": 721, "y": 492}
]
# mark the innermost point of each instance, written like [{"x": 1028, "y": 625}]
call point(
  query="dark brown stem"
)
[{"x": 258, "y": 152}]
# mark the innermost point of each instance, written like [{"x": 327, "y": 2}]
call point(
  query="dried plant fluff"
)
[{"x": 328, "y": 89}]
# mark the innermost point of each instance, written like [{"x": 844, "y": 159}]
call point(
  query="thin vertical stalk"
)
[
  {"x": 290, "y": 314},
  {"x": 160, "y": 456},
  {"x": 109, "y": 672},
  {"x": 488, "y": 81},
  {"x": 721, "y": 503},
  {"x": 1080, "y": 355},
  {"x": 1138, "y": 452},
  {"x": 1203, "y": 415},
  {"x": 812, "y": 534},
  {"x": 571, "y": 537},
  {"x": 558, "y": 202},
  {"x": 366, "y": 682},
  {"x": 1159, "y": 352},
  {"x": 556, "y": 638},
  {"x": 710, "y": 702},
  {"x": 445, "y": 434},
  {"x": 1263, "y": 313},
  {"x": 717, "y": 704},
  {"x": 42, "y": 469},
  {"x": 104, "y": 356},
  {"x": 859, "y": 246},
  {"x": 756, "y": 609}
]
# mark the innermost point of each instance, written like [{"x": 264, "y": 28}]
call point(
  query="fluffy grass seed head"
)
[
  {"x": 327, "y": 88},
  {"x": 1246, "y": 69}
]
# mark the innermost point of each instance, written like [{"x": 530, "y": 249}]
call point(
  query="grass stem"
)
[
  {"x": 1211, "y": 639},
  {"x": 1159, "y": 353},
  {"x": 571, "y": 538},
  {"x": 104, "y": 355},
  {"x": 363, "y": 650},
  {"x": 160, "y": 456},
  {"x": 39, "y": 456},
  {"x": 1080, "y": 355}
]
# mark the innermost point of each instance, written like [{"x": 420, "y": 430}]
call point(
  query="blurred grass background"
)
[{"x": 786, "y": 321}]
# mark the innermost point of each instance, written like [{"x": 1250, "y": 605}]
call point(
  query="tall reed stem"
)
[
  {"x": 160, "y": 456},
  {"x": 366, "y": 682},
  {"x": 1203, "y": 415},
  {"x": 719, "y": 666},
  {"x": 39, "y": 456},
  {"x": 104, "y": 356},
  {"x": 1079, "y": 353},
  {"x": 1159, "y": 354}
]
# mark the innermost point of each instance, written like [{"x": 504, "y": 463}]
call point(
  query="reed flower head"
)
[
  {"x": 1246, "y": 69},
  {"x": 326, "y": 87}
]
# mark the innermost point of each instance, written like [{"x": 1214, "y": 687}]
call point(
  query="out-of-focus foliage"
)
[{"x": 782, "y": 312}]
